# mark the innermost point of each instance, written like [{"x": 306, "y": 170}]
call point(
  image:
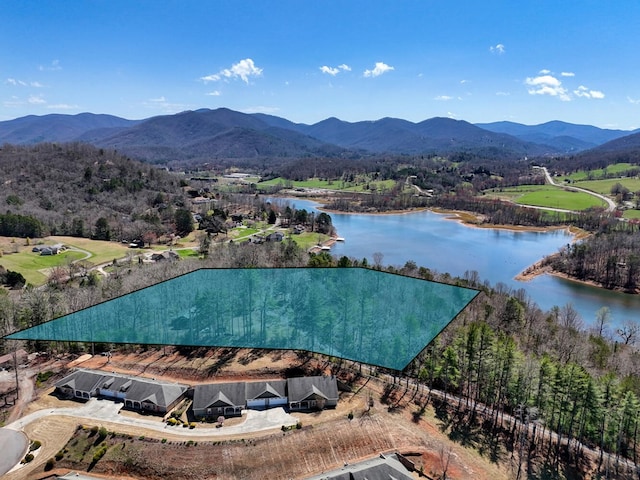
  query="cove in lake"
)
[{"x": 432, "y": 240}]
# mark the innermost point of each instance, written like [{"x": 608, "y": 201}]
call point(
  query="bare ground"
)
[{"x": 326, "y": 441}]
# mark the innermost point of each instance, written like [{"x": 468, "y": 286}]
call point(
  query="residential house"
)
[
  {"x": 312, "y": 393},
  {"x": 275, "y": 237},
  {"x": 82, "y": 384},
  {"x": 266, "y": 394},
  {"x": 218, "y": 399},
  {"x": 137, "y": 393},
  {"x": 383, "y": 467}
]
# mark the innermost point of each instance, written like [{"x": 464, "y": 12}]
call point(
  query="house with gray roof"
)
[
  {"x": 384, "y": 467},
  {"x": 218, "y": 399},
  {"x": 137, "y": 393},
  {"x": 311, "y": 393},
  {"x": 266, "y": 394},
  {"x": 82, "y": 384}
]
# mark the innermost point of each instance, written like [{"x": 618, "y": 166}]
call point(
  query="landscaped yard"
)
[
  {"x": 548, "y": 196},
  {"x": 33, "y": 266}
]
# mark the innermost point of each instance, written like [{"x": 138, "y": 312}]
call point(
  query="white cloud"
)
[
  {"x": 36, "y": 100},
  {"x": 21, "y": 83},
  {"x": 55, "y": 65},
  {"x": 329, "y": 71},
  {"x": 544, "y": 71},
  {"x": 443, "y": 98},
  {"x": 63, "y": 106},
  {"x": 158, "y": 100},
  {"x": 585, "y": 92},
  {"x": 462, "y": 82},
  {"x": 333, "y": 71},
  {"x": 503, "y": 94},
  {"x": 244, "y": 69},
  {"x": 547, "y": 85},
  {"x": 633, "y": 101},
  {"x": 215, "y": 93},
  {"x": 378, "y": 70},
  {"x": 567, "y": 74},
  {"x": 498, "y": 49}
]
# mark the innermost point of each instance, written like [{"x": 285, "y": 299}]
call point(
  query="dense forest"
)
[{"x": 76, "y": 189}]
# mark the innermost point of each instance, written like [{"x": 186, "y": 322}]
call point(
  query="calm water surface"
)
[{"x": 433, "y": 241}]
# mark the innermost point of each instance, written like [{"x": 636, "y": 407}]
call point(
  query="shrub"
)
[
  {"x": 59, "y": 455},
  {"x": 99, "y": 453},
  {"x": 102, "y": 434},
  {"x": 298, "y": 426},
  {"x": 172, "y": 421},
  {"x": 49, "y": 465},
  {"x": 27, "y": 458},
  {"x": 36, "y": 444},
  {"x": 350, "y": 416},
  {"x": 192, "y": 425},
  {"x": 164, "y": 440}
]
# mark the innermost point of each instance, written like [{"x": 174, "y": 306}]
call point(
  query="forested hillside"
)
[{"x": 66, "y": 189}]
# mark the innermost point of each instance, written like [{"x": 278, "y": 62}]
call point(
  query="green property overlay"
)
[{"x": 353, "y": 313}]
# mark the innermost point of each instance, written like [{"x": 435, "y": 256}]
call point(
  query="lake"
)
[{"x": 438, "y": 243}]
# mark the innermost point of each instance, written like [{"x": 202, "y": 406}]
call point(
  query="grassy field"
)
[
  {"x": 615, "y": 169},
  {"x": 306, "y": 240},
  {"x": 604, "y": 186},
  {"x": 548, "y": 196},
  {"x": 631, "y": 214},
  {"x": 19, "y": 257},
  {"x": 360, "y": 186}
]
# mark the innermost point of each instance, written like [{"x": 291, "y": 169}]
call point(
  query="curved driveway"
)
[
  {"x": 105, "y": 410},
  {"x": 13, "y": 445}
]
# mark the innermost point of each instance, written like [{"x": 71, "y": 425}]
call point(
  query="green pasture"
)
[
  {"x": 615, "y": 169},
  {"x": 34, "y": 266},
  {"x": 548, "y": 196},
  {"x": 360, "y": 186},
  {"x": 30, "y": 264},
  {"x": 631, "y": 214},
  {"x": 604, "y": 186}
]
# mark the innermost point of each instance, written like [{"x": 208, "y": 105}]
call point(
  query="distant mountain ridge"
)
[
  {"x": 567, "y": 137},
  {"x": 209, "y": 135}
]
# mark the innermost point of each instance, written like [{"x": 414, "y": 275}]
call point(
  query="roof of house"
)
[
  {"x": 82, "y": 380},
  {"x": 219, "y": 394},
  {"x": 137, "y": 389},
  {"x": 302, "y": 388},
  {"x": 161, "y": 394},
  {"x": 271, "y": 389},
  {"x": 384, "y": 467}
]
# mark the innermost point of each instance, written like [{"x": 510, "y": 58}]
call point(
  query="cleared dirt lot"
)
[{"x": 326, "y": 440}]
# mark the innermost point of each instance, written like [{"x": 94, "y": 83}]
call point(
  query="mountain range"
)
[{"x": 208, "y": 135}]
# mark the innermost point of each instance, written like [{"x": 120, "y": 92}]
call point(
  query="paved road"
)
[
  {"x": 611, "y": 205},
  {"x": 96, "y": 410},
  {"x": 13, "y": 445}
]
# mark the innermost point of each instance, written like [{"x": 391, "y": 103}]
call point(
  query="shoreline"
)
[
  {"x": 539, "y": 268},
  {"x": 470, "y": 219}
]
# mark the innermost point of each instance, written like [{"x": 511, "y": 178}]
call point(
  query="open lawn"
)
[
  {"x": 548, "y": 196},
  {"x": 360, "y": 186},
  {"x": 306, "y": 240},
  {"x": 604, "y": 186},
  {"x": 631, "y": 214},
  {"x": 34, "y": 267},
  {"x": 615, "y": 169}
]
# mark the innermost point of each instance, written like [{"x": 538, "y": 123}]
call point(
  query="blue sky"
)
[{"x": 481, "y": 61}]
